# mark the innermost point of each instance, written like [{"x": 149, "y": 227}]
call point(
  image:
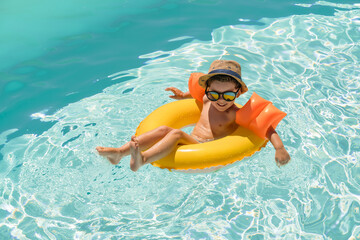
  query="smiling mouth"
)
[{"x": 221, "y": 105}]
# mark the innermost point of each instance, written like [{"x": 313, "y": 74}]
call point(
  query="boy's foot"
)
[
  {"x": 136, "y": 158},
  {"x": 114, "y": 155}
]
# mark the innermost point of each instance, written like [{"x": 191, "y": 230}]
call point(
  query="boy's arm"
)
[
  {"x": 187, "y": 94},
  {"x": 282, "y": 157},
  {"x": 178, "y": 94}
]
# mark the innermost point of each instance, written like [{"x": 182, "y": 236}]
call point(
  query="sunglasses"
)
[{"x": 227, "y": 96}]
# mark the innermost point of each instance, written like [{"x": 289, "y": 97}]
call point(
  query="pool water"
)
[{"x": 98, "y": 70}]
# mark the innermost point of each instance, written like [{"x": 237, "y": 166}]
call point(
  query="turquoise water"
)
[{"x": 74, "y": 77}]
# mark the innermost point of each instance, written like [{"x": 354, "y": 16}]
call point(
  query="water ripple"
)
[{"x": 54, "y": 186}]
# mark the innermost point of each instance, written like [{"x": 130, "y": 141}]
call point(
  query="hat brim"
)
[{"x": 203, "y": 79}]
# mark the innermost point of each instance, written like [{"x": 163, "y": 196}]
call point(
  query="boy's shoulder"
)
[{"x": 234, "y": 109}]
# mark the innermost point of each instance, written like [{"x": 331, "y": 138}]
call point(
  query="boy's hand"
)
[
  {"x": 178, "y": 94},
  {"x": 282, "y": 157}
]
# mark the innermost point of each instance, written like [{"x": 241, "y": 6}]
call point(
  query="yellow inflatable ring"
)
[{"x": 204, "y": 157}]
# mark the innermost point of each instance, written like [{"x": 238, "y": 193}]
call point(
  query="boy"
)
[{"x": 223, "y": 84}]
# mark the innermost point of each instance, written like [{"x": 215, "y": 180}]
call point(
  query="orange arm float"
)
[
  {"x": 195, "y": 89},
  {"x": 258, "y": 115}
]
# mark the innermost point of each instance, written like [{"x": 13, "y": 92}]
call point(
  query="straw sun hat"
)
[{"x": 224, "y": 67}]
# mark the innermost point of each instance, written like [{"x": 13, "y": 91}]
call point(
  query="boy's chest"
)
[{"x": 221, "y": 123}]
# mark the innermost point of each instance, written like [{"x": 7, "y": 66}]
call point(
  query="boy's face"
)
[{"x": 221, "y": 87}]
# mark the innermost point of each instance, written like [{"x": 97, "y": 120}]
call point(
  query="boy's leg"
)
[
  {"x": 159, "y": 150},
  {"x": 145, "y": 141}
]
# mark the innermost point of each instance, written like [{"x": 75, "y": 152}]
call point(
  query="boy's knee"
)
[
  {"x": 177, "y": 133},
  {"x": 164, "y": 129}
]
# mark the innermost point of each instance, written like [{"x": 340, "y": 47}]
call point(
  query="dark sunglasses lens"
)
[
  {"x": 213, "y": 96},
  {"x": 229, "y": 96}
]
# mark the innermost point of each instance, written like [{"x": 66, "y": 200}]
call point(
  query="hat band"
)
[{"x": 229, "y": 72}]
